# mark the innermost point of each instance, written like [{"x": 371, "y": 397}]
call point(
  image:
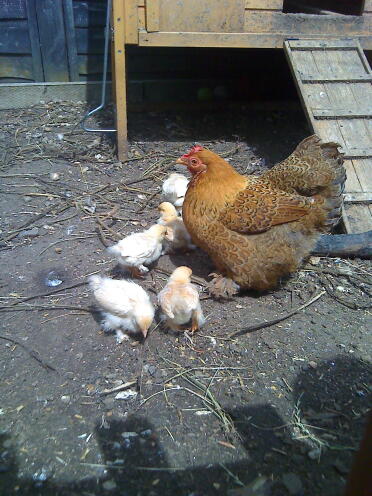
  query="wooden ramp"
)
[{"x": 334, "y": 82}]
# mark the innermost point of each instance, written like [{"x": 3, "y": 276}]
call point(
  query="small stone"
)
[
  {"x": 293, "y": 483},
  {"x": 58, "y": 250},
  {"x": 54, "y": 176},
  {"x": 126, "y": 395},
  {"x": 109, "y": 485},
  {"x": 314, "y": 454},
  {"x": 313, "y": 365},
  {"x": 30, "y": 233},
  {"x": 27, "y": 199},
  {"x": 216, "y": 485},
  {"x": 66, "y": 399}
]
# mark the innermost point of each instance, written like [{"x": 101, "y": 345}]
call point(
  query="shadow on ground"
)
[{"x": 330, "y": 406}]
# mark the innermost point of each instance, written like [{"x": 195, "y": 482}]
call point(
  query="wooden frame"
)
[{"x": 120, "y": 81}]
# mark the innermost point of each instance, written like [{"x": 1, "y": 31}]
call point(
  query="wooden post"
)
[{"x": 119, "y": 83}]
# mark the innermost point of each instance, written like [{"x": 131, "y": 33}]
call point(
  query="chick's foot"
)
[{"x": 222, "y": 287}]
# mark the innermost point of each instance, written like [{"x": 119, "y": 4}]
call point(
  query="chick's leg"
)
[
  {"x": 195, "y": 320},
  {"x": 222, "y": 287}
]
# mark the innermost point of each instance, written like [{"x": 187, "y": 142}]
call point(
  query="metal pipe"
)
[{"x": 104, "y": 79}]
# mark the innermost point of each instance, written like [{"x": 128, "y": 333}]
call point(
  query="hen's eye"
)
[{"x": 194, "y": 161}]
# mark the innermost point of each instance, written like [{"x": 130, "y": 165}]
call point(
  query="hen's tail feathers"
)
[
  {"x": 333, "y": 192},
  {"x": 314, "y": 168}
]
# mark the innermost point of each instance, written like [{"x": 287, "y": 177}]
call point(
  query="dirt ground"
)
[{"x": 277, "y": 412}]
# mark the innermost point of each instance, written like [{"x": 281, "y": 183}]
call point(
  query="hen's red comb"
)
[{"x": 193, "y": 150}]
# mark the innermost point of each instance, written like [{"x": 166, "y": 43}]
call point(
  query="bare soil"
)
[{"x": 282, "y": 408}]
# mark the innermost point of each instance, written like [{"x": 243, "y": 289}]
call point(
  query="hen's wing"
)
[{"x": 259, "y": 207}]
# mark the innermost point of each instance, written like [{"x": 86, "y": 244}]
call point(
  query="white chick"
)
[
  {"x": 179, "y": 301},
  {"x": 123, "y": 304},
  {"x": 174, "y": 189},
  {"x": 177, "y": 237},
  {"x": 139, "y": 249}
]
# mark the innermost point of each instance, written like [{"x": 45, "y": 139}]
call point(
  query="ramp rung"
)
[{"x": 341, "y": 113}]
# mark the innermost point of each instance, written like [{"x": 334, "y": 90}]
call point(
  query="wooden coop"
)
[{"x": 323, "y": 40}]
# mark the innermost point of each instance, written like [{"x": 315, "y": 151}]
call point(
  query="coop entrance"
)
[{"x": 345, "y": 7}]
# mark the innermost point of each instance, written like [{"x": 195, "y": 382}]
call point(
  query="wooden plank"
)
[
  {"x": 352, "y": 183},
  {"x": 333, "y": 25},
  {"x": 357, "y": 152},
  {"x": 264, "y": 4},
  {"x": 357, "y": 78},
  {"x": 229, "y": 40},
  {"x": 363, "y": 168},
  {"x": 118, "y": 17},
  {"x": 52, "y": 40},
  {"x": 313, "y": 95},
  {"x": 88, "y": 14},
  {"x": 13, "y": 9},
  {"x": 89, "y": 41},
  {"x": 367, "y": 6},
  {"x": 359, "y": 218},
  {"x": 72, "y": 49},
  {"x": 358, "y": 197},
  {"x": 321, "y": 44},
  {"x": 153, "y": 15},
  {"x": 131, "y": 21},
  {"x": 141, "y": 19},
  {"x": 38, "y": 72},
  {"x": 336, "y": 113},
  {"x": 17, "y": 67},
  {"x": 15, "y": 37},
  {"x": 198, "y": 16}
]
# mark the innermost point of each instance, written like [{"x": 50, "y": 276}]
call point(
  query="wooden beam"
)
[
  {"x": 264, "y": 4},
  {"x": 152, "y": 15},
  {"x": 362, "y": 78},
  {"x": 358, "y": 153},
  {"x": 229, "y": 40},
  {"x": 118, "y": 17}
]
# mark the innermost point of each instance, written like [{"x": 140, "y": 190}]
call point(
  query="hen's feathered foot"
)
[{"x": 222, "y": 287}]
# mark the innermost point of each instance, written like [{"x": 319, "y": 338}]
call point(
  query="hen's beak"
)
[{"x": 181, "y": 161}]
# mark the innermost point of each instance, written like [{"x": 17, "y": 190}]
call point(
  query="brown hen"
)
[{"x": 258, "y": 229}]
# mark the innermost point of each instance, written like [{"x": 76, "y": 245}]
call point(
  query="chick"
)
[
  {"x": 174, "y": 189},
  {"x": 139, "y": 249},
  {"x": 123, "y": 304},
  {"x": 177, "y": 237},
  {"x": 179, "y": 301}
]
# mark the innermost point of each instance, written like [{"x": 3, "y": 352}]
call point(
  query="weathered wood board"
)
[{"x": 334, "y": 81}]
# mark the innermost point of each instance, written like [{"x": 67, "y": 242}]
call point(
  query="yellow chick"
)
[
  {"x": 176, "y": 236},
  {"x": 139, "y": 249},
  {"x": 123, "y": 305},
  {"x": 179, "y": 301},
  {"x": 174, "y": 189}
]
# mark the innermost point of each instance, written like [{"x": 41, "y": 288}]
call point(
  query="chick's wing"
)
[{"x": 258, "y": 208}]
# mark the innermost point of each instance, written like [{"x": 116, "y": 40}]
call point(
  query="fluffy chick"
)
[
  {"x": 176, "y": 236},
  {"x": 174, "y": 189},
  {"x": 123, "y": 304},
  {"x": 179, "y": 301},
  {"x": 139, "y": 249}
]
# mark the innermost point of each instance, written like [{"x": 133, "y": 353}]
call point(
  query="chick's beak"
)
[{"x": 181, "y": 161}]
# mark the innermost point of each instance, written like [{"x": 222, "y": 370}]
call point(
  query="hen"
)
[
  {"x": 258, "y": 229},
  {"x": 123, "y": 304},
  {"x": 179, "y": 301}
]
